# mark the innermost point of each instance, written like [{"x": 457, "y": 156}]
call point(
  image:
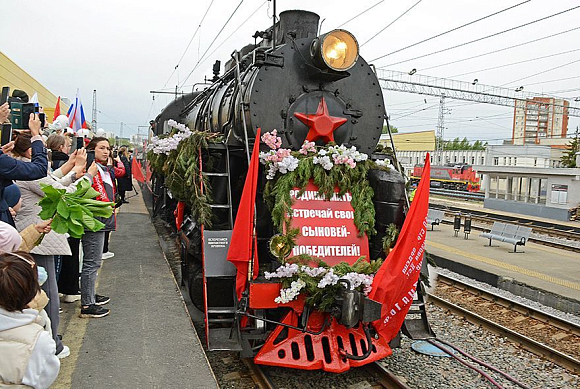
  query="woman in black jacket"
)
[
  {"x": 124, "y": 184},
  {"x": 59, "y": 145}
]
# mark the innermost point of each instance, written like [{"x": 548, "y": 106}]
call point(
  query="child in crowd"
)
[{"x": 27, "y": 350}]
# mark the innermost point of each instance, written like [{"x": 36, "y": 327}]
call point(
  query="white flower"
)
[
  {"x": 288, "y": 164},
  {"x": 313, "y": 272},
  {"x": 329, "y": 279},
  {"x": 285, "y": 271},
  {"x": 289, "y": 294},
  {"x": 325, "y": 162}
]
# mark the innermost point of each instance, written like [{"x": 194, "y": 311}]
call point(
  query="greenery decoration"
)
[
  {"x": 341, "y": 176},
  {"x": 74, "y": 212},
  {"x": 389, "y": 240},
  {"x": 179, "y": 163},
  {"x": 320, "y": 284}
]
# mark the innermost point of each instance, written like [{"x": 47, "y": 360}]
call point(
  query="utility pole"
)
[
  {"x": 440, "y": 125},
  {"x": 94, "y": 121},
  {"x": 121, "y": 132}
]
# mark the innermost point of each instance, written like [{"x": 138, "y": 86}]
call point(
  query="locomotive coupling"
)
[{"x": 353, "y": 306}]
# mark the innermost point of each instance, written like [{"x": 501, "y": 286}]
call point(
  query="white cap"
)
[
  {"x": 100, "y": 132},
  {"x": 61, "y": 122}
]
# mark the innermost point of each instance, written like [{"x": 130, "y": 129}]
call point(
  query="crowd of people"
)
[{"x": 38, "y": 266}]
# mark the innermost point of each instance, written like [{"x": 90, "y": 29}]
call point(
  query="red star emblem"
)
[{"x": 321, "y": 124}]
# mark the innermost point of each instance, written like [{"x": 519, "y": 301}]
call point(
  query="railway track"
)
[
  {"x": 458, "y": 194},
  {"x": 545, "y": 233},
  {"x": 555, "y": 339},
  {"x": 383, "y": 377}
]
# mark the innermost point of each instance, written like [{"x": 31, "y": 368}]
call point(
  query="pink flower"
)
[
  {"x": 307, "y": 147},
  {"x": 272, "y": 140}
]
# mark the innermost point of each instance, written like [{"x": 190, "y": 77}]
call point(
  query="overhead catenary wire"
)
[
  {"x": 390, "y": 24},
  {"x": 211, "y": 44},
  {"x": 500, "y": 50},
  {"x": 542, "y": 72},
  {"x": 190, "y": 41},
  {"x": 361, "y": 13},
  {"x": 515, "y": 63},
  {"x": 233, "y": 32},
  {"x": 478, "y": 39},
  {"x": 449, "y": 31}
]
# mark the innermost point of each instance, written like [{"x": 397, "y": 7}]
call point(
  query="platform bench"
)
[
  {"x": 509, "y": 233},
  {"x": 434, "y": 217}
]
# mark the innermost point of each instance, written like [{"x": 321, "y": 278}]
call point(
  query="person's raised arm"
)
[{"x": 13, "y": 169}]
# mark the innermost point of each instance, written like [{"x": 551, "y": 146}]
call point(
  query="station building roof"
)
[
  {"x": 15, "y": 77},
  {"x": 412, "y": 141},
  {"x": 529, "y": 171}
]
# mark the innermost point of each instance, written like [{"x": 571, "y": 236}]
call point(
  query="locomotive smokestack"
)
[{"x": 302, "y": 23}]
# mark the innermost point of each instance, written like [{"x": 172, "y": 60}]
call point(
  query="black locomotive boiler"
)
[{"x": 308, "y": 87}]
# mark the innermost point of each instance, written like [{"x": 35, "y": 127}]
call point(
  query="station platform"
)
[
  {"x": 548, "y": 275},
  {"x": 148, "y": 340},
  {"x": 478, "y": 206}
]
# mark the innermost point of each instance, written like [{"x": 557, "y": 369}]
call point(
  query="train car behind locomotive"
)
[
  {"x": 455, "y": 177},
  {"x": 309, "y": 88}
]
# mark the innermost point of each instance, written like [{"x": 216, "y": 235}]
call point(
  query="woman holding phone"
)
[{"x": 92, "y": 242}]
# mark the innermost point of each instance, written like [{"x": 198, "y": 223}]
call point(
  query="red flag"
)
[
  {"x": 56, "y": 109},
  {"x": 240, "y": 251},
  {"x": 396, "y": 281},
  {"x": 137, "y": 171}
]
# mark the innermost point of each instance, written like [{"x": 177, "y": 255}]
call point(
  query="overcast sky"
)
[{"x": 124, "y": 49}]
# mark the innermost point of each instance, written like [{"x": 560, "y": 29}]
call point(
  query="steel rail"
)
[
  {"x": 525, "y": 310},
  {"x": 457, "y": 194},
  {"x": 385, "y": 377},
  {"x": 258, "y": 374},
  {"x": 531, "y": 345}
]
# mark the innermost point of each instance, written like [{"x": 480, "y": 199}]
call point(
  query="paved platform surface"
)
[
  {"x": 542, "y": 267},
  {"x": 478, "y": 206},
  {"x": 148, "y": 340}
]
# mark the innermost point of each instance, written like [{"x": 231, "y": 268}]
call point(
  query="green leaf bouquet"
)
[{"x": 74, "y": 212}]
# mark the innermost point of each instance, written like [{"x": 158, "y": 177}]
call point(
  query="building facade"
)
[
  {"x": 535, "y": 191},
  {"x": 539, "y": 118}
]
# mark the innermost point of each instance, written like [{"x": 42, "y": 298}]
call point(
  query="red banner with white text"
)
[
  {"x": 327, "y": 229},
  {"x": 395, "y": 283}
]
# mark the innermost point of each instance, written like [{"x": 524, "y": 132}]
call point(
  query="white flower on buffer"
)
[
  {"x": 357, "y": 279},
  {"x": 285, "y": 271},
  {"x": 329, "y": 279},
  {"x": 289, "y": 294}
]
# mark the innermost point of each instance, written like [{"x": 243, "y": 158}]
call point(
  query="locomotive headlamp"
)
[
  {"x": 337, "y": 50},
  {"x": 279, "y": 246}
]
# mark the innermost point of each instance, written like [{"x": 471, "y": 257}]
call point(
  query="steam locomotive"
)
[
  {"x": 455, "y": 177},
  {"x": 307, "y": 86}
]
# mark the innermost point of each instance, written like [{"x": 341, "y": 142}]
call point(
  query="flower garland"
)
[
  {"x": 177, "y": 156},
  {"x": 329, "y": 167},
  {"x": 321, "y": 283}
]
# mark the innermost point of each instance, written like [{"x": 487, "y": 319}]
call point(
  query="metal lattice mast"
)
[
  {"x": 94, "y": 121},
  {"x": 462, "y": 90},
  {"x": 440, "y": 125}
]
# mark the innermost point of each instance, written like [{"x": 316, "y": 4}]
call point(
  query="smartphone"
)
[
  {"x": 6, "y": 135},
  {"x": 5, "y": 93},
  {"x": 42, "y": 118},
  {"x": 90, "y": 157}
]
